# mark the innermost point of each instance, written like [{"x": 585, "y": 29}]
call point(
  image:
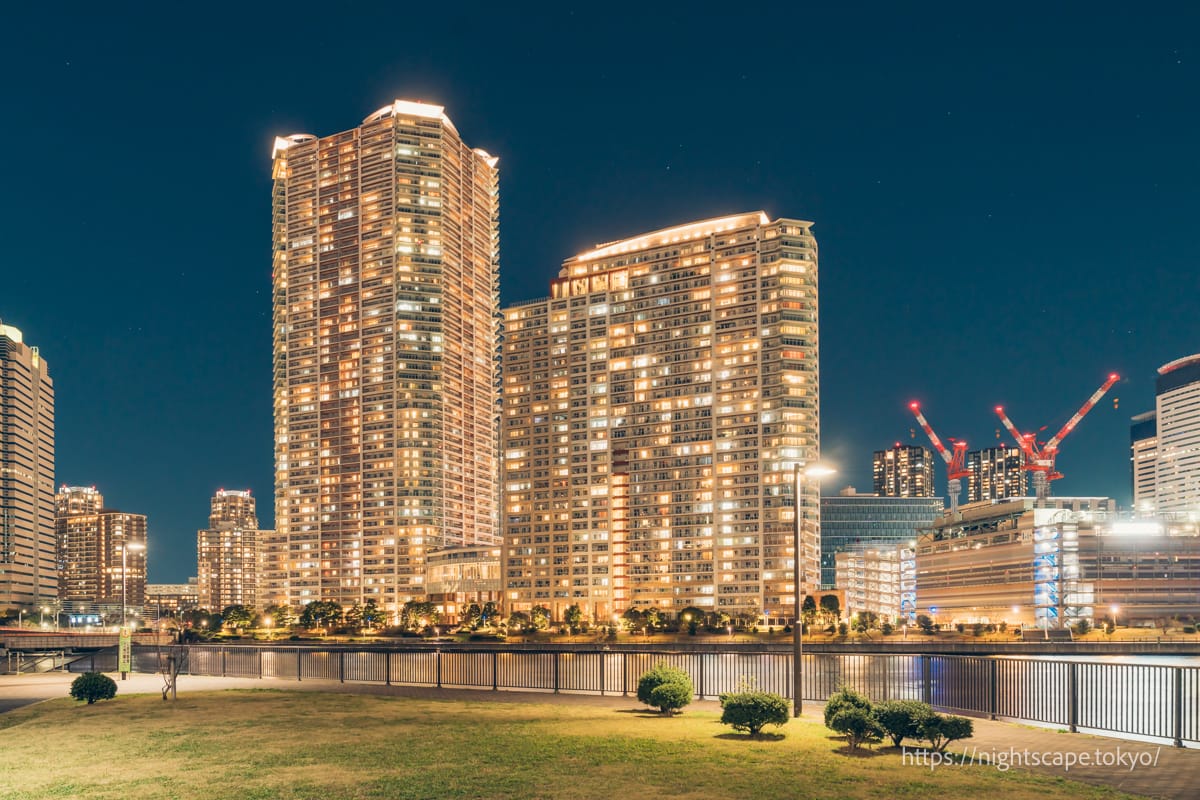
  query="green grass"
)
[{"x": 278, "y": 744}]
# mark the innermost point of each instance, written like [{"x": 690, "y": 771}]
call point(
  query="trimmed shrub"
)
[
  {"x": 942, "y": 729},
  {"x": 93, "y": 686},
  {"x": 858, "y": 726},
  {"x": 844, "y": 698},
  {"x": 750, "y": 711},
  {"x": 665, "y": 688},
  {"x": 886, "y": 628},
  {"x": 901, "y": 719}
]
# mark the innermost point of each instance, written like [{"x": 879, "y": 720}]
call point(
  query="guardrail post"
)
[
  {"x": 341, "y": 666},
  {"x": 495, "y": 671},
  {"x": 260, "y": 663},
  {"x": 438, "y": 664},
  {"x": 1073, "y": 696},
  {"x": 387, "y": 668},
  {"x": 700, "y": 676},
  {"x": 603, "y": 682},
  {"x": 624, "y": 674},
  {"x": 222, "y": 662},
  {"x": 1178, "y": 707},
  {"x": 556, "y": 672},
  {"x": 994, "y": 685},
  {"x": 299, "y": 666},
  {"x": 926, "y": 680}
]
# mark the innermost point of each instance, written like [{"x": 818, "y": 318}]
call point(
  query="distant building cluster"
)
[{"x": 631, "y": 441}]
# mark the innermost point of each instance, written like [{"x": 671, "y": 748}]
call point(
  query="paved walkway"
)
[{"x": 1159, "y": 771}]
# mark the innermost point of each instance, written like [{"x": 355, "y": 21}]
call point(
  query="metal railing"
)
[{"x": 1123, "y": 699}]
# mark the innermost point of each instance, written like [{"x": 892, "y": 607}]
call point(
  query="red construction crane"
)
[
  {"x": 955, "y": 462},
  {"x": 1040, "y": 456}
]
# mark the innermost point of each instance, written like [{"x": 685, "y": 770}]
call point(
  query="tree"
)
[
  {"x": 281, "y": 616},
  {"x": 692, "y": 617},
  {"x": 372, "y": 614},
  {"x": 573, "y": 616},
  {"x": 489, "y": 615},
  {"x": 519, "y": 621},
  {"x": 93, "y": 686},
  {"x": 652, "y": 618},
  {"x": 808, "y": 609},
  {"x": 666, "y": 688},
  {"x": 926, "y": 624},
  {"x": 633, "y": 619},
  {"x": 321, "y": 614},
  {"x": 750, "y": 711},
  {"x": 353, "y": 617},
  {"x": 901, "y": 719},
  {"x": 471, "y": 617},
  {"x": 830, "y": 607},
  {"x": 940, "y": 730},
  {"x": 539, "y": 618},
  {"x": 858, "y": 726},
  {"x": 416, "y": 615},
  {"x": 237, "y": 616},
  {"x": 1083, "y": 627}
]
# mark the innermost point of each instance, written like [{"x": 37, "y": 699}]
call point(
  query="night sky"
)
[{"x": 1005, "y": 201}]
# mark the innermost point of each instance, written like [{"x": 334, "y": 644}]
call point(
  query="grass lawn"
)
[{"x": 266, "y": 744}]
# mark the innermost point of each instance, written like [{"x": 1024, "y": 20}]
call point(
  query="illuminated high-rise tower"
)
[
  {"x": 28, "y": 574},
  {"x": 655, "y": 407},
  {"x": 227, "y": 552},
  {"x": 386, "y": 315}
]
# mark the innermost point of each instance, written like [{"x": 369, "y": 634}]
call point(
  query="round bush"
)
[
  {"x": 858, "y": 726},
  {"x": 842, "y": 699},
  {"x": 901, "y": 719},
  {"x": 750, "y": 711},
  {"x": 669, "y": 699},
  {"x": 93, "y": 686}
]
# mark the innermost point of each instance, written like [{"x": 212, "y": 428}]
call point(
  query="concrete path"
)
[{"x": 1152, "y": 770}]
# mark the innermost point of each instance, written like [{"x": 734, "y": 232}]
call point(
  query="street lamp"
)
[{"x": 815, "y": 471}]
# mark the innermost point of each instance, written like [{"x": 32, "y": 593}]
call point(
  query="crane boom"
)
[
  {"x": 1025, "y": 442},
  {"x": 1053, "y": 444},
  {"x": 933, "y": 437},
  {"x": 955, "y": 461}
]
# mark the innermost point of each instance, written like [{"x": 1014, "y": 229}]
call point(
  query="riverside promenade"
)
[{"x": 1150, "y": 770}]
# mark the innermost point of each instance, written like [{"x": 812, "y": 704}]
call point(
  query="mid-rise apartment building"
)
[
  {"x": 227, "y": 552},
  {"x": 101, "y": 554},
  {"x": 1143, "y": 460},
  {"x": 996, "y": 473},
  {"x": 27, "y": 569},
  {"x": 654, "y": 408},
  {"x": 903, "y": 471},
  {"x": 386, "y": 318}
]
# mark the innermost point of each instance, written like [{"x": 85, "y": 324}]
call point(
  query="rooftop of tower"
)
[{"x": 678, "y": 233}]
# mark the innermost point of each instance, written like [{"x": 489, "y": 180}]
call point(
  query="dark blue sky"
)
[{"x": 1005, "y": 201}]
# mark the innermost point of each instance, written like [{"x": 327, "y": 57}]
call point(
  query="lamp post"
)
[
  {"x": 813, "y": 471},
  {"x": 125, "y": 548}
]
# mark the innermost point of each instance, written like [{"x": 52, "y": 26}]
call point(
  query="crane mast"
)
[{"x": 955, "y": 461}]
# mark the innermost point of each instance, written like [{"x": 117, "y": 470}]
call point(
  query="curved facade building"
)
[{"x": 1177, "y": 407}]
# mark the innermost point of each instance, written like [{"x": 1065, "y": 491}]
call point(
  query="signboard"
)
[{"x": 124, "y": 652}]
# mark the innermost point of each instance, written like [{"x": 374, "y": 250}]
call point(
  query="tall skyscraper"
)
[
  {"x": 655, "y": 406},
  {"x": 101, "y": 553},
  {"x": 996, "y": 473},
  {"x": 1143, "y": 460},
  {"x": 903, "y": 471},
  {"x": 1177, "y": 410},
  {"x": 27, "y": 569},
  {"x": 227, "y": 553},
  {"x": 386, "y": 317}
]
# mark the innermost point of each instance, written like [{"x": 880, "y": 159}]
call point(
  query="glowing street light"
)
[{"x": 816, "y": 472}]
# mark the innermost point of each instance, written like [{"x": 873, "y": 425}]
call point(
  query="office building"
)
[
  {"x": 27, "y": 570},
  {"x": 386, "y": 318},
  {"x": 851, "y": 521},
  {"x": 171, "y": 599},
  {"x": 1177, "y": 412},
  {"x": 101, "y": 554},
  {"x": 903, "y": 471},
  {"x": 875, "y": 579},
  {"x": 227, "y": 553},
  {"x": 996, "y": 473},
  {"x": 654, "y": 408},
  {"x": 1066, "y": 560},
  {"x": 1143, "y": 460}
]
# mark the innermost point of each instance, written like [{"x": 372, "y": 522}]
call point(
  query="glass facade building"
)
[{"x": 851, "y": 521}]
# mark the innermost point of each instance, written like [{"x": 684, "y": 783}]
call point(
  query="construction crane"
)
[
  {"x": 956, "y": 468},
  {"x": 1040, "y": 456}
]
